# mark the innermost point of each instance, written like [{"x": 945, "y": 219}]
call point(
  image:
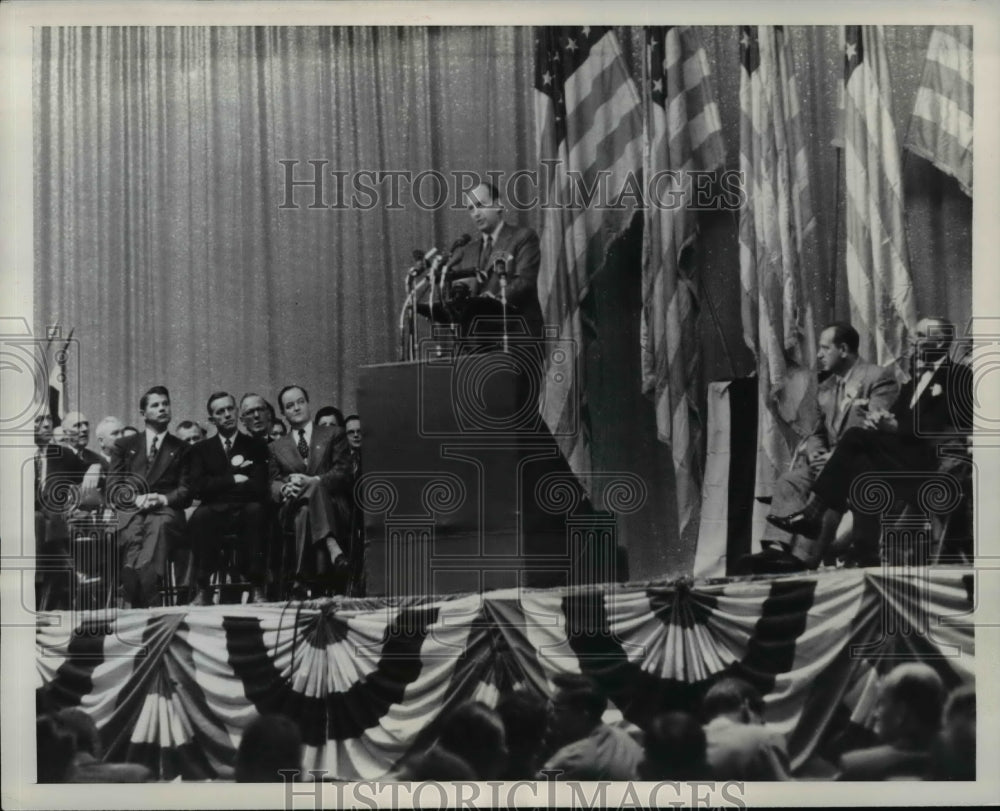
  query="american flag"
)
[
  {"x": 684, "y": 135},
  {"x": 878, "y": 277},
  {"x": 941, "y": 126},
  {"x": 588, "y": 121},
  {"x": 777, "y": 235}
]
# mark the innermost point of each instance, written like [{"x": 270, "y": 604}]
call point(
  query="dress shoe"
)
[
  {"x": 202, "y": 598},
  {"x": 797, "y": 524},
  {"x": 257, "y": 595}
]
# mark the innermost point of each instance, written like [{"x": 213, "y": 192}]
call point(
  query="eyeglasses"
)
[{"x": 251, "y": 411}]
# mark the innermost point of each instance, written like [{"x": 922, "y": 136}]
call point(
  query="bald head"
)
[
  {"x": 108, "y": 430},
  {"x": 910, "y": 703}
]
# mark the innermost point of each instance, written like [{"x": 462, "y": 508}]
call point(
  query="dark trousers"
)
[
  {"x": 861, "y": 451},
  {"x": 147, "y": 542},
  {"x": 212, "y": 526}
]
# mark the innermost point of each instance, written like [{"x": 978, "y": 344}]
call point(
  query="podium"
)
[{"x": 464, "y": 488}]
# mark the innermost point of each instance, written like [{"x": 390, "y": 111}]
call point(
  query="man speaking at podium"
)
[{"x": 519, "y": 243}]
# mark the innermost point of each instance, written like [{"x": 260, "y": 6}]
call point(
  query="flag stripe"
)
[
  {"x": 878, "y": 278},
  {"x": 684, "y": 135}
]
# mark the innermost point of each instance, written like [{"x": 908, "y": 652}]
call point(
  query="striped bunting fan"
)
[{"x": 367, "y": 685}]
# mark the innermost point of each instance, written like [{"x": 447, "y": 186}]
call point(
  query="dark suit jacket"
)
[
  {"x": 213, "y": 475},
  {"x": 63, "y": 469},
  {"x": 522, "y": 273},
  {"x": 867, "y": 381},
  {"x": 944, "y": 407},
  {"x": 168, "y": 476}
]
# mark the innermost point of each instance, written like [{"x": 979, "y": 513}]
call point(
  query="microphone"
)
[
  {"x": 422, "y": 259},
  {"x": 461, "y": 242}
]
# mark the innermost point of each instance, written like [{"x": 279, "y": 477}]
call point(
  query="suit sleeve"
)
[
  {"x": 884, "y": 391},
  {"x": 275, "y": 475},
  {"x": 180, "y": 496},
  {"x": 258, "y": 483},
  {"x": 524, "y": 284},
  {"x": 204, "y": 483},
  {"x": 817, "y": 440}
]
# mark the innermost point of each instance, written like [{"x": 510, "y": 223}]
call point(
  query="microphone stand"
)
[{"x": 500, "y": 268}]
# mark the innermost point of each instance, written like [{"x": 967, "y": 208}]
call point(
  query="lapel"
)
[
  {"x": 937, "y": 376},
  {"x": 137, "y": 453},
  {"x": 164, "y": 458},
  {"x": 828, "y": 402},
  {"x": 286, "y": 450}
]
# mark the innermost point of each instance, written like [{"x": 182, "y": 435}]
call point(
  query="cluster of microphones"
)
[{"x": 438, "y": 264}]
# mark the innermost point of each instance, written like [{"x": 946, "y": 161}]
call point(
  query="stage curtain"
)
[
  {"x": 367, "y": 681},
  {"x": 159, "y": 231}
]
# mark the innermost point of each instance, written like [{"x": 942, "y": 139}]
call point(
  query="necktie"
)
[
  {"x": 39, "y": 469},
  {"x": 229, "y": 446},
  {"x": 487, "y": 252},
  {"x": 153, "y": 448},
  {"x": 303, "y": 447},
  {"x": 840, "y": 397}
]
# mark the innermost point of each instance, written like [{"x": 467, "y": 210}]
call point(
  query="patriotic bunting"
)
[{"x": 366, "y": 682}]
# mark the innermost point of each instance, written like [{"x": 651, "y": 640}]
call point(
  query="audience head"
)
[
  {"x": 911, "y": 697},
  {"x": 77, "y": 428},
  {"x": 190, "y": 432},
  {"x": 330, "y": 416},
  {"x": 255, "y": 414},
  {"x": 56, "y": 749},
  {"x": 475, "y": 733},
  {"x": 43, "y": 430},
  {"x": 221, "y": 408},
  {"x": 271, "y": 743},
  {"x": 155, "y": 408},
  {"x": 574, "y": 710},
  {"x": 276, "y": 430},
  {"x": 931, "y": 340},
  {"x": 736, "y": 699},
  {"x": 523, "y": 716},
  {"x": 675, "y": 749},
  {"x": 108, "y": 430},
  {"x": 353, "y": 425},
  {"x": 83, "y": 729},
  {"x": 294, "y": 404},
  {"x": 485, "y": 207},
  {"x": 838, "y": 347},
  {"x": 130, "y": 430},
  {"x": 438, "y": 764}
]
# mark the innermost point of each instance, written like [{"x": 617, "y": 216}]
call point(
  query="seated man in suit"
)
[
  {"x": 935, "y": 404},
  {"x": 853, "y": 388},
  {"x": 229, "y": 475},
  {"x": 150, "y": 528},
  {"x": 518, "y": 244},
  {"x": 310, "y": 473}
]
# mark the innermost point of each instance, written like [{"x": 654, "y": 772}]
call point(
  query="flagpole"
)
[{"x": 832, "y": 308}]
